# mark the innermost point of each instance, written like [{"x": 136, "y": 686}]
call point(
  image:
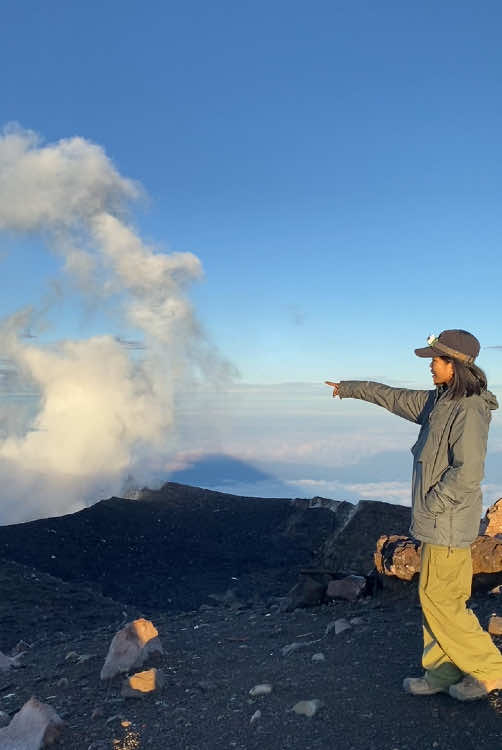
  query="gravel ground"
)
[{"x": 215, "y": 656}]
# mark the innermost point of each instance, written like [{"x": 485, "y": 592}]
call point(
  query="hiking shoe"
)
[
  {"x": 470, "y": 689},
  {"x": 420, "y": 686}
]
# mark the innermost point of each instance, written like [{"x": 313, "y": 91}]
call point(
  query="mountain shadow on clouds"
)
[{"x": 219, "y": 470}]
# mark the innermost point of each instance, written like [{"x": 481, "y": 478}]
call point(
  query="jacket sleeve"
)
[
  {"x": 404, "y": 402},
  {"x": 467, "y": 446}
]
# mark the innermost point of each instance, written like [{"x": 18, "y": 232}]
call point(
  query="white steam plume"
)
[{"x": 100, "y": 407}]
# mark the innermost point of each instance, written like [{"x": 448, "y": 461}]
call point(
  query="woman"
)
[{"x": 459, "y": 657}]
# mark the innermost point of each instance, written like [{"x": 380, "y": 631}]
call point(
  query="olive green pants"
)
[{"x": 455, "y": 644}]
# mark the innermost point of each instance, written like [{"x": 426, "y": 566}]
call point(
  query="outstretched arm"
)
[{"x": 404, "y": 402}]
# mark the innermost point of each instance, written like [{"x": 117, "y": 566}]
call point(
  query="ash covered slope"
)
[
  {"x": 174, "y": 546},
  {"x": 35, "y": 605}
]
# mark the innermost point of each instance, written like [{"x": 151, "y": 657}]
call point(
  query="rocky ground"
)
[
  {"x": 215, "y": 654},
  {"x": 215, "y": 657}
]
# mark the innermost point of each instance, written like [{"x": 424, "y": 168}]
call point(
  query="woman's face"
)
[{"x": 442, "y": 372}]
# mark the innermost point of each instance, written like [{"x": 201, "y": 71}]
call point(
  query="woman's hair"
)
[{"x": 467, "y": 379}]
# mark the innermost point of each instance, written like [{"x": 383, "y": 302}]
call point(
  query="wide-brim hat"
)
[{"x": 455, "y": 343}]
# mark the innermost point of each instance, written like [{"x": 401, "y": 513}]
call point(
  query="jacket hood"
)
[{"x": 490, "y": 399}]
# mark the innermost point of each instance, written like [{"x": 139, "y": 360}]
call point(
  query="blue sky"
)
[{"x": 334, "y": 167}]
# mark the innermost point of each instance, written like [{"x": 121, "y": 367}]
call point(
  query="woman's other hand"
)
[{"x": 335, "y": 387}]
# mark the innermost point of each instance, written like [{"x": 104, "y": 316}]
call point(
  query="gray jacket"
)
[{"x": 448, "y": 457}]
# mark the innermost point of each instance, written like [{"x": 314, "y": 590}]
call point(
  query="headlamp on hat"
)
[{"x": 454, "y": 343}]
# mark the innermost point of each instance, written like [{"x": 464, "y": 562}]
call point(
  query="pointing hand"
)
[{"x": 335, "y": 387}]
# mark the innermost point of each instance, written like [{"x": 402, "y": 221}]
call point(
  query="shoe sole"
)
[
  {"x": 469, "y": 698},
  {"x": 432, "y": 691}
]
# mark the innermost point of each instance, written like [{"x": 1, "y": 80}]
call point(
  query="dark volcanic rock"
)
[
  {"x": 349, "y": 588},
  {"x": 398, "y": 556},
  {"x": 352, "y": 544},
  {"x": 175, "y": 546},
  {"x": 306, "y": 593}
]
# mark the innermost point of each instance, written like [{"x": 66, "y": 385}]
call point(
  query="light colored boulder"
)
[
  {"x": 35, "y": 726},
  {"x": 130, "y": 648}
]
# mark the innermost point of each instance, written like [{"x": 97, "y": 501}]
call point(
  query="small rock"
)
[
  {"x": 206, "y": 685},
  {"x": 291, "y": 647},
  {"x": 143, "y": 683},
  {"x": 63, "y": 682},
  {"x": 264, "y": 689},
  {"x": 115, "y": 717},
  {"x": 495, "y": 625},
  {"x": 6, "y": 662},
  {"x": 348, "y": 588},
  {"x": 255, "y": 717},
  {"x": 318, "y": 657},
  {"x": 228, "y": 599},
  {"x": 340, "y": 625},
  {"x": 21, "y": 647},
  {"x": 308, "y": 592},
  {"x": 307, "y": 708}
]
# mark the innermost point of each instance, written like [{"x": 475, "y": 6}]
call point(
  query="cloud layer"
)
[{"x": 101, "y": 406}]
